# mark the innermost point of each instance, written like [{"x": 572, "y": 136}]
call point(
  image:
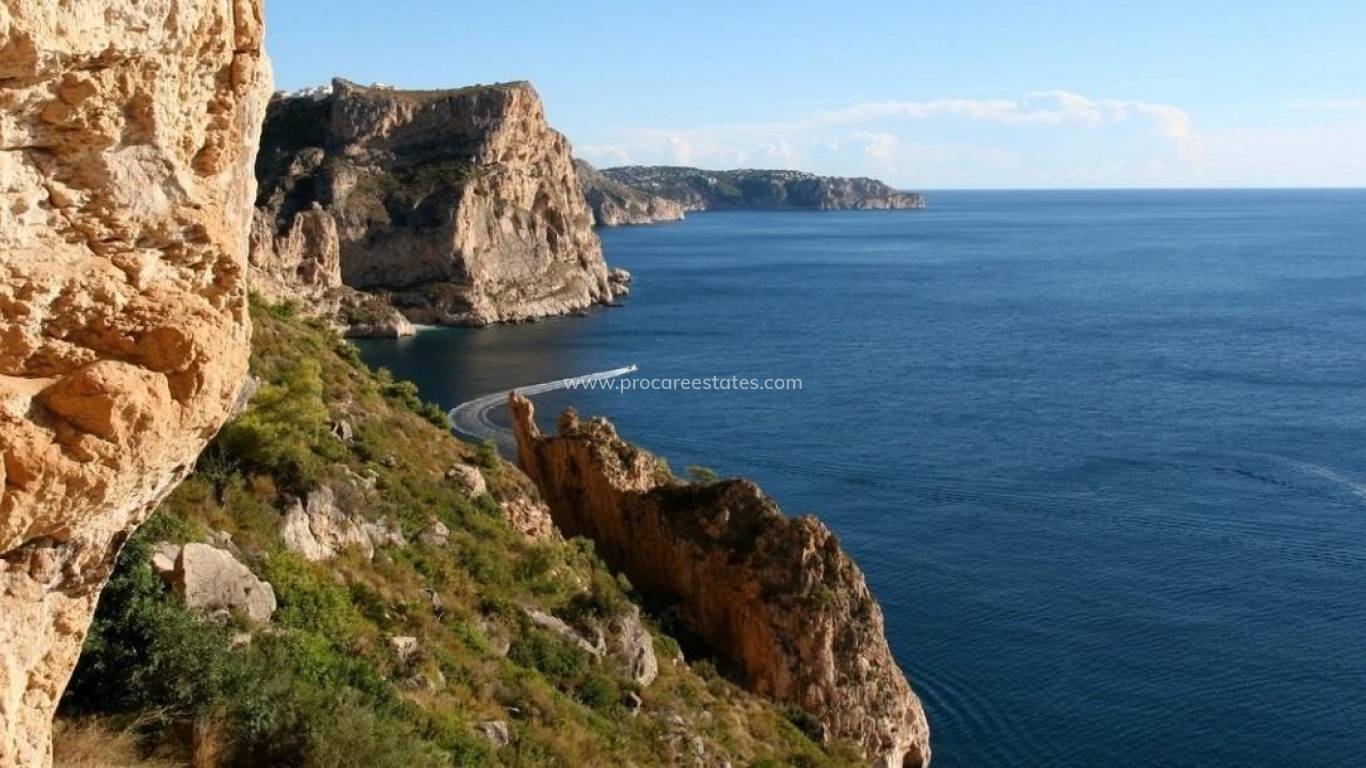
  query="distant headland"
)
[{"x": 639, "y": 194}]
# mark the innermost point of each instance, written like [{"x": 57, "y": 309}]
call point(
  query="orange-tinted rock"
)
[
  {"x": 129, "y": 133},
  {"x": 775, "y": 596}
]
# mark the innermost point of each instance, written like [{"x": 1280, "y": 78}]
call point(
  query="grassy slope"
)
[{"x": 320, "y": 686}]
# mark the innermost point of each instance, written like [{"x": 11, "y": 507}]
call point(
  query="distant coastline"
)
[{"x": 648, "y": 194}]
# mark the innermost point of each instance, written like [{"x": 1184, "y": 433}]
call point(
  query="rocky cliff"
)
[
  {"x": 615, "y": 204},
  {"x": 699, "y": 190},
  {"x": 460, "y": 207},
  {"x": 775, "y": 596},
  {"x": 129, "y": 133},
  {"x": 342, "y": 582}
]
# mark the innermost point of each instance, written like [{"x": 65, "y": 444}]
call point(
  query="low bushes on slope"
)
[{"x": 321, "y": 685}]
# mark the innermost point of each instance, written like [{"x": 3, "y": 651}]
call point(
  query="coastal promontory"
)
[
  {"x": 457, "y": 207},
  {"x": 696, "y": 189},
  {"x": 776, "y": 597}
]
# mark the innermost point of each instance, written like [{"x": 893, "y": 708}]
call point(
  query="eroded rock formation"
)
[
  {"x": 615, "y": 204},
  {"x": 776, "y": 596},
  {"x": 701, "y": 190},
  {"x": 460, "y": 207},
  {"x": 210, "y": 580},
  {"x": 323, "y": 526},
  {"x": 128, "y": 133}
]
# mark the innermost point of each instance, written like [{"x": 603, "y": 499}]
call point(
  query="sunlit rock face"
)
[
  {"x": 459, "y": 207},
  {"x": 128, "y": 132},
  {"x": 775, "y": 596}
]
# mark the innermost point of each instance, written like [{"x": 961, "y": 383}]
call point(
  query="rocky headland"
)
[
  {"x": 616, "y": 204},
  {"x": 458, "y": 207},
  {"x": 130, "y": 131},
  {"x": 701, "y": 190},
  {"x": 775, "y": 596}
]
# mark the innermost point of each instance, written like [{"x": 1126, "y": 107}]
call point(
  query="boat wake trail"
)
[{"x": 471, "y": 418}]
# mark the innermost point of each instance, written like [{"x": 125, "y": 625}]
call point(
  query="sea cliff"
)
[
  {"x": 456, "y": 207},
  {"x": 775, "y": 596}
]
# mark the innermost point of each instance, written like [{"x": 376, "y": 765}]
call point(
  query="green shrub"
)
[
  {"x": 146, "y": 651},
  {"x": 598, "y": 690},
  {"x": 702, "y": 475},
  {"x": 488, "y": 454},
  {"x": 539, "y": 650},
  {"x": 355, "y": 736},
  {"x": 805, "y": 722},
  {"x": 284, "y": 431},
  {"x": 602, "y": 600},
  {"x": 406, "y": 393},
  {"x": 309, "y": 598},
  {"x": 466, "y": 748}
]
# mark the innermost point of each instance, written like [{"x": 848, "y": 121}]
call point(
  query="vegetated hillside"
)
[
  {"x": 412, "y": 624},
  {"x": 703, "y": 190}
]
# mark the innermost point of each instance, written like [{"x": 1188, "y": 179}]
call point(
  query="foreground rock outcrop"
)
[
  {"x": 699, "y": 190},
  {"x": 775, "y": 596},
  {"x": 615, "y": 204},
  {"x": 129, "y": 134},
  {"x": 211, "y": 581},
  {"x": 321, "y": 527},
  {"x": 458, "y": 207}
]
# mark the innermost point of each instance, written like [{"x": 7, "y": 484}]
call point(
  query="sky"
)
[{"x": 924, "y": 95}]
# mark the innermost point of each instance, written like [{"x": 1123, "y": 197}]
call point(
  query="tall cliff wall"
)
[
  {"x": 128, "y": 133},
  {"x": 460, "y": 206},
  {"x": 776, "y": 596}
]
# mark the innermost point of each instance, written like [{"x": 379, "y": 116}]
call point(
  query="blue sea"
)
[{"x": 1102, "y": 455}]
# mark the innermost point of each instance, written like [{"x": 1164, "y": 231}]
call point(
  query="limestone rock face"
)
[
  {"x": 303, "y": 264},
  {"x": 775, "y": 595},
  {"x": 469, "y": 478},
  {"x": 212, "y": 581},
  {"x": 699, "y": 190},
  {"x": 128, "y": 133},
  {"x": 615, "y": 204},
  {"x": 630, "y": 645},
  {"x": 319, "y": 529},
  {"x": 461, "y": 207},
  {"x": 529, "y": 517}
]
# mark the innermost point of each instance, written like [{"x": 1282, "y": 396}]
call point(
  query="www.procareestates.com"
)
[{"x": 692, "y": 384}]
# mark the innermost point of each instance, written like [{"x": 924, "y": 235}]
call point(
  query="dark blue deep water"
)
[{"x": 1101, "y": 454}]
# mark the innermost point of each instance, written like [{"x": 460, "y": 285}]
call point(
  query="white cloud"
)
[
  {"x": 680, "y": 151},
  {"x": 781, "y": 154},
  {"x": 1057, "y": 107},
  {"x": 877, "y": 144},
  {"x": 1043, "y": 138}
]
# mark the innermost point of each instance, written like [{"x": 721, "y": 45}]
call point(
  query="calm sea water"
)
[{"x": 1102, "y": 455}]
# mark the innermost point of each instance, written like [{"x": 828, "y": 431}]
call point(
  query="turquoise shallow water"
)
[{"x": 1101, "y": 454}]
